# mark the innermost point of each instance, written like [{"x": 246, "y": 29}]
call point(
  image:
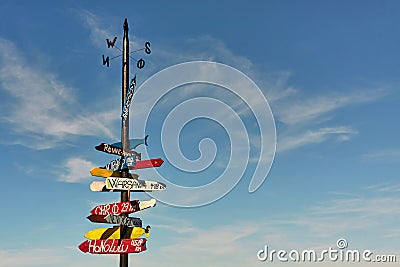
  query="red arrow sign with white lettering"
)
[
  {"x": 150, "y": 163},
  {"x": 123, "y": 207},
  {"x": 111, "y": 246}
]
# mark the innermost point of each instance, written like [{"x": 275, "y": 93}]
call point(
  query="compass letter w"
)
[{"x": 111, "y": 43}]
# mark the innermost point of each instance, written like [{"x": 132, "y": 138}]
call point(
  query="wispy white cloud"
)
[
  {"x": 300, "y": 118},
  {"x": 312, "y": 108},
  {"x": 368, "y": 212},
  {"x": 386, "y": 155},
  {"x": 288, "y": 142},
  {"x": 77, "y": 170},
  {"x": 45, "y": 110},
  {"x": 386, "y": 187}
]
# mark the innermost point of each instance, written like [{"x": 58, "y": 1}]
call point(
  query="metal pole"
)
[{"x": 123, "y": 259}]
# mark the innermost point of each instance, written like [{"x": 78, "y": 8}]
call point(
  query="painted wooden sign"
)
[
  {"x": 123, "y": 207},
  {"x": 116, "y": 219},
  {"x": 110, "y": 149},
  {"x": 124, "y": 163},
  {"x": 128, "y": 99},
  {"x": 115, "y": 233},
  {"x": 122, "y": 246},
  {"x": 134, "y": 142},
  {"x": 100, "y": 172},
  {"x": 150, "y": 163},
  {"x": 124, "y": 184}
]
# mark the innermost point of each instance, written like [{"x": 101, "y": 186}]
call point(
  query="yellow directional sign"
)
[
  {"x": 100, "y": 172},
  {"x": 115, "y": 233}
]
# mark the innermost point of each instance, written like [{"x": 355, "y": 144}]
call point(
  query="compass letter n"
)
[{"x": 106, "y": 61}]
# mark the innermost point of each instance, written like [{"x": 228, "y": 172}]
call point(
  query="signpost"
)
[
  {"x": 150, "y": 163},
  {"x": 110, "y": 149},
  {"x": 113, "y": 246},
  {"x": 115, "y": 233},
  {"x": 123, "y": 238},
  {"x": 115, "y": 219},
  {"x": 125, "y": 184},
  {"x": 124, "y": 163},
  {"x": 115, "y": 183},
  {"x": 100, "y": 172},
  {"x": 123, "y": 207}
]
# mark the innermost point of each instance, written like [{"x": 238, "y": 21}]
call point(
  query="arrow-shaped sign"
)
[
  {"x": 115, "y": 233},
  {"x": 125, "y": 184},
  {"x": 113, "y": 246},
  {"x": 110, "y": 149},
  {"x": 123, "y": 207},
  {"x": 150, "y": 163},
  {"x": 115, "y": 183},
  {"x": 100, "y": 172},
  {"x": 134, "y": 142},
  {"x": 128, "y": 99},
  {"x": 124, "y": 163},
  {"x": 116, "y": 219}
]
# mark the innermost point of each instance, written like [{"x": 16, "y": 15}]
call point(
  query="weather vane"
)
[{"x": 140, "y": 63}]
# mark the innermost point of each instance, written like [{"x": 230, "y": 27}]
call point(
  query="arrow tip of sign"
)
[{"x": 84, "y": 246}]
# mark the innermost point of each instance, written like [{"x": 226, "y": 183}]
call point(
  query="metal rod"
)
[{"x": 123, "y": 259}]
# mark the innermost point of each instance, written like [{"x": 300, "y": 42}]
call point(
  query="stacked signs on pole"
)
[
  {"x": 110, "y": 240},
  {"x": 128, "y": 234}
]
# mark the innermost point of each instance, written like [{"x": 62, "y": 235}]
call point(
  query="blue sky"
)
[{"x": 328, "y": 69}]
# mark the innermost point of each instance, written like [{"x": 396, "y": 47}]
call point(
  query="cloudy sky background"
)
[{"x": 329, "y": 70}]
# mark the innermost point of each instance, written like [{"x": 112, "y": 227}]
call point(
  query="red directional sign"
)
[
  {"x": 122, "y": 207},
  {"x": 150, "y": 163},
  {"x": 116, "y": 208},
  {"x": 113, "y": 246}
]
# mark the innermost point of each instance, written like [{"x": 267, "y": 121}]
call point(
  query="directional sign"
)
[
  {"x": 123, "y": 207},
  {"x": 123, "y": 220},
  {"x": 150, "y": 163},
  {"x": 124, "y": 163},
  {"x": 110, "y": 149},
  {"x": 115, "y": 233},
  {"x": 116, "y": 183},
  {"x": 134, "y": 142},
  {"x": 100, "y": 172},
  {"x": 116, "y": 219},
  {"x": 98, "y": 186},
  {"x": 125, "y": 185},
  {"x": 128, "y": 99},
  {"x": 113, "y": 246}
]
